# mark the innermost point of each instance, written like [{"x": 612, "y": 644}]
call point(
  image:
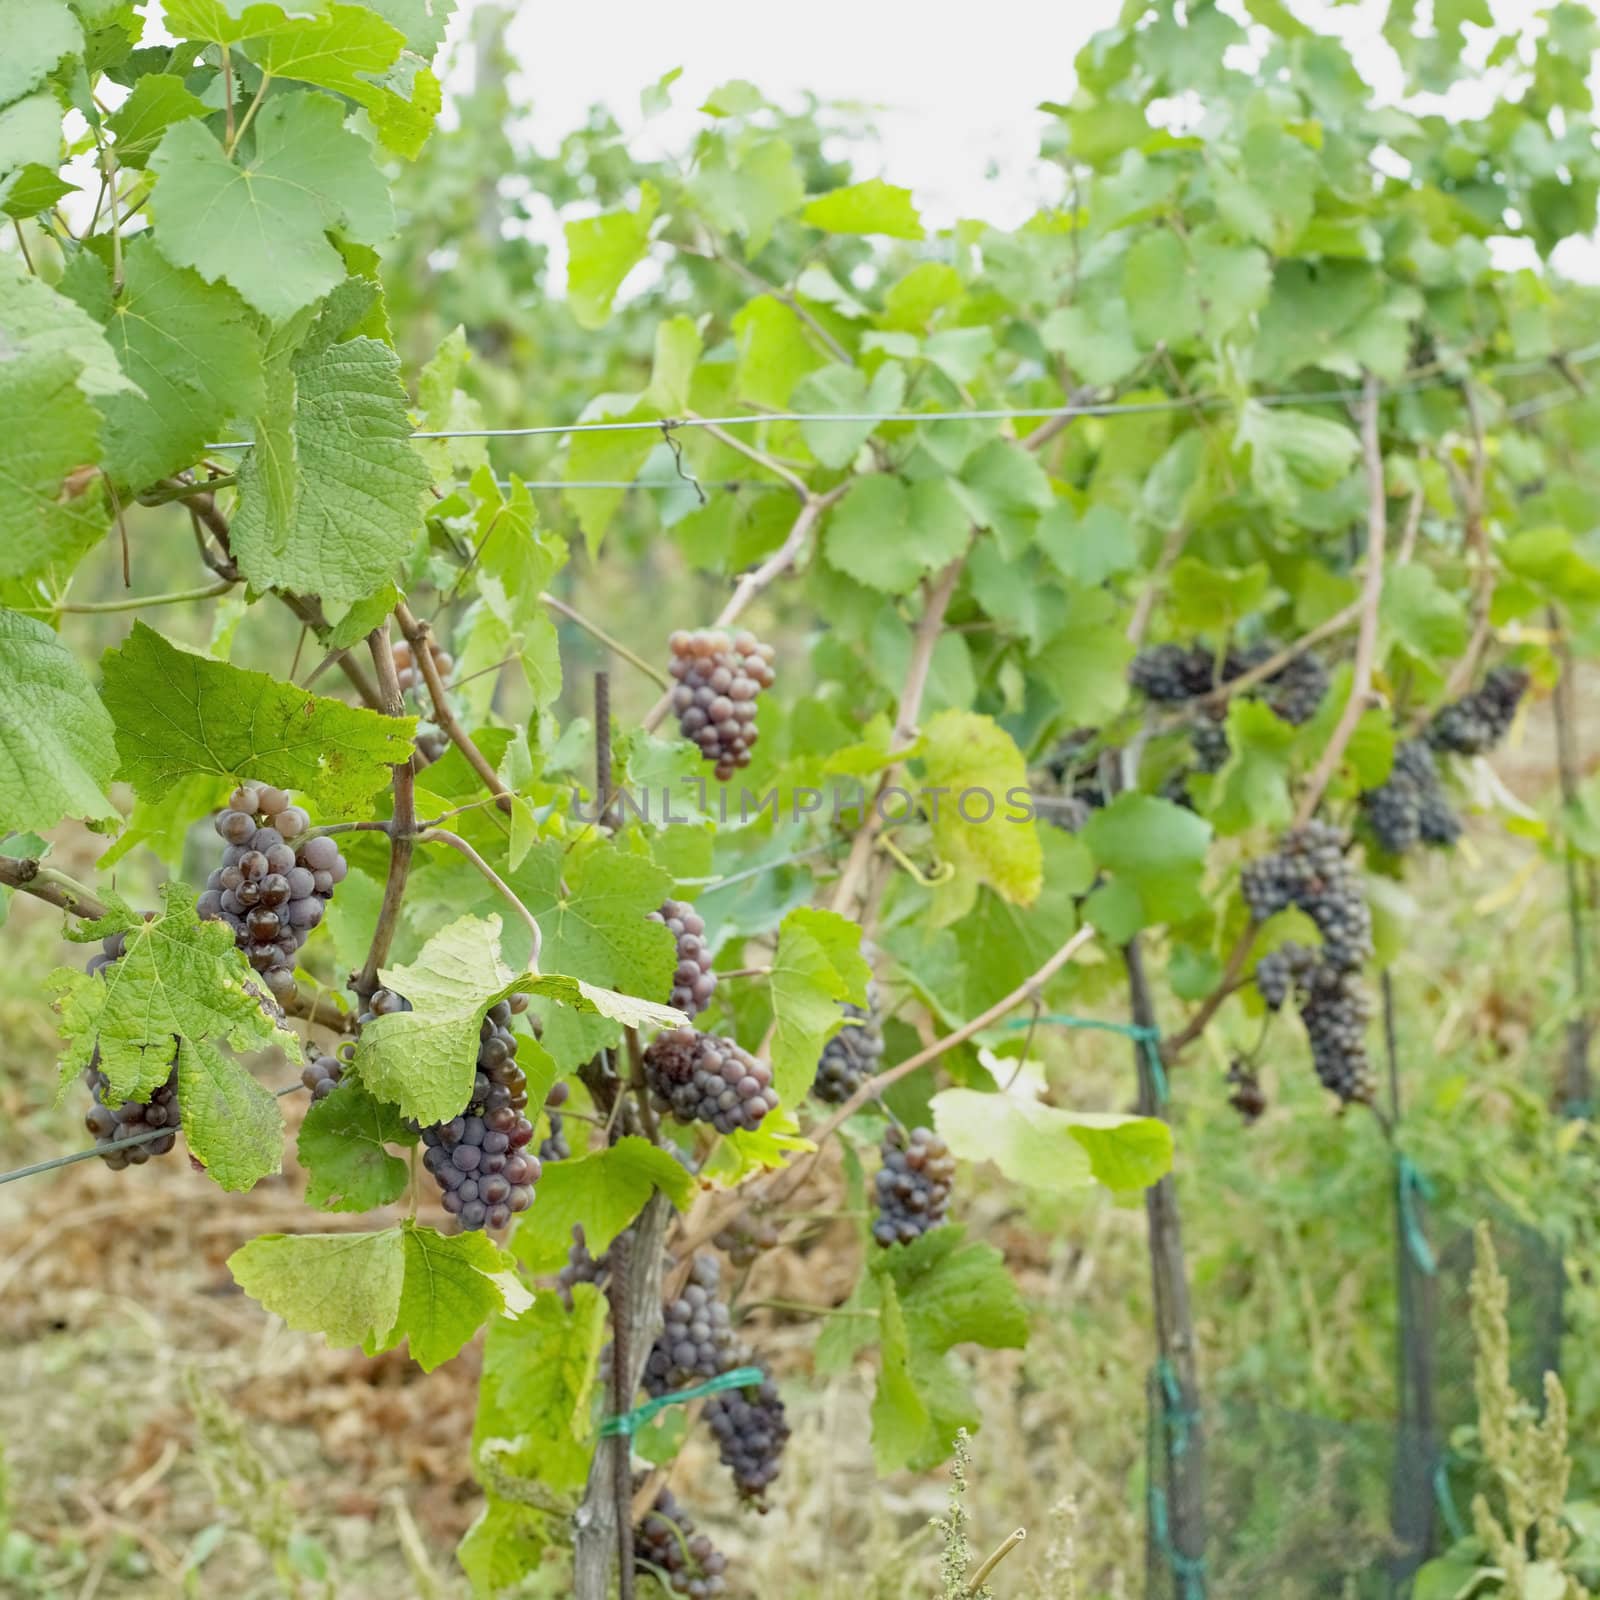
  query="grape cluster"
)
[
  {"x": 851, "y": 1056},
  {"x": 701, "y": 1078},
  {"x": 1479, "y": 721},
  {"x": 913, "y": 1185},
  {"x": 1411, "y": 805},
  {"x": 274, "y": 882},
  {"x": 554, "y": 1146},
  {"x": 696, "y": 1339},
  {"x": 480, "y": 1158},
  {"x": 1294, "y": 692},
  {"x": 751, "y": 1430},
  {"x": 322, "y": 1072},
  {"x": 582, "y": 1267},
  {"x": 409, "y": 672},
  {"x": 1209, "y": 741},
  {"x": 1169, "y": 673},
  {"x": 1245, "y": 1094},
  {"x": 693, "y": 981},
  {"x": 1172, "y": 673},
  {"x": 665, "y": 1542},
  {"x": 432, "y": 742},
  {"x": 1309, "y": 870},
  {"x": 715, "y": 698},
  {"x": 744, "y": 1240}
]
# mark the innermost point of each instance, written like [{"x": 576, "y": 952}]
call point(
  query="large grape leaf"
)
[
  {"x": 190, "y": 351},
  {"x": 976, "y": 765},
  {"x": 157, "y": 101},
  {"x": 423, "y": 1060},
  {"x": 178, "y": 713},
  {"x": 887, "y": 534},
  {"x": 748, "y": 190},
  {"x": 602, "y": 251},
  {"x": 355, "y": 490},
  {"x": 232, "y": 1125},
  {"x": 57, "y": 753},
  {"x": 818, "y": 964},
  {"x": 51, "y": 507},
  {"x": 178, "y": 978},
  {"x": 375, "y": 1289},
  {"x": 870, "y": 207},
  {"x": 342, "y": 1147},
  {"x": 1156, "y": 853},
  {"x": 263, "y": 225},
  {"x": 30, "y": 150},
  {"x": 538, "y": 1384},
  {"x": 38, "y": 34},
  {"x": 602, "y": 1192}
]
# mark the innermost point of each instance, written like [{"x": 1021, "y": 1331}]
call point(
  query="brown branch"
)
[
  {"x": 418, "y": 633},
  {"x": 402, "y": 831},
  {"x": 760, "y": 457},
  {"x": 752, "y": 583},
  {"x": 936, "y": 602},
  {"x": 1410, "y": 528},
  {"x": 1279, "y": 659},
  {"x": 1144, "y": 607},
  {"x": 1175, "y": 1044},
  {"x": 1371, "y": 593},
  {"x": 54, "y": 888}
]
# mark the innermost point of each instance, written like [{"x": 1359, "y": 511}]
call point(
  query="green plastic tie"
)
[
  {"x": 1446, "y": 1499},
  {"x": 1147, "y": 1038},
  {"x": 1190, "y": 1571},
  {"x": 1179, "y": 1417},
  {"x": 1414, "y": 1188},
  {"x": 630, "y": 1422}
]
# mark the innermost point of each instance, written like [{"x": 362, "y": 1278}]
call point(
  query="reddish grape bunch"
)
[
  {"x": 693, "y": 981},
  {"x": 322, "y": 1072},
  {"x": 701, "y": 1078},
  {"x": 480, "y": 1158},
  {"x": 409, "y": 672},
  {"x": 274, "y": 882},
  {"x": 696, "y": 1339},
  {"x": 743, "y": 1241},
  {"x": 913, "y": 1185},
  {"x": 718, "y": 681},
  {"x": 665, "y": 1543}
]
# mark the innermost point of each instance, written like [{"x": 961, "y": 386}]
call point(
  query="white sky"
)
[{"x": 953, "y": 100}]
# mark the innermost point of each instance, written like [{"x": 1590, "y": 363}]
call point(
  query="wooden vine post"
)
[{"x": 1575, "y": 1089}]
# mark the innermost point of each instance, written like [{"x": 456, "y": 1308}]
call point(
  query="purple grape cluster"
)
[
  {"x": 665, "y": 1543},
  {"x": 554, "y": 1146},
  {"x": 479, "y": 1158},
  {"x": 719, "y": 680},
  {"x": 851, "y": 1056},
  {"x": 1479, "y": 721},
  {"x": 698, "y": 1077},
  {"x": 913, "y": 1185},
  {"x": 751, "y": 1429},
  {"x": 696, "y": 1339},
  {"x": 1245, "y": 1093},
  {"x": 1169, "y": 673},
  {"x": 693, "y": 981},
  {"x": 582, "y": 1267},
  {"x": 1410, "y": 807},
  {"x": 274, "y": 882},
  {"x": 1172, "y": 673},
  {"x": 409, "y": 673},
  {"x": 322, "y": 1072},
  {"x": 743, "y": 1241},
  {"x": 431, "y": 742}
]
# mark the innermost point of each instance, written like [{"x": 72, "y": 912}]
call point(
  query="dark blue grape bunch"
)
[{"x": 1479, "y": 721}]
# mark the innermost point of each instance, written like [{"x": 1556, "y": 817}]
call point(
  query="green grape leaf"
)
[
  {"x": 342, "y": 1147},
  {"x": 30, "y": 149},
  {"x": 887, "y": 534},
  {"x": 191, "y": 353},
  {"x": 35, "y": 319},
  {"x": 51, "y": 508},
  {"x": 358, "y": 483},
  {"x": 900, "y": 1419},
  {"x": 1422, "y": 614},
  {"x": 1161, "y": 288},
  {"x": 1549, "y": 559},
  {"x": 1085, "y": 666},
  {"x": 452, "y": 1287},
  {"x": 1293, "y": 452},
  {"x": 749, "y": 191},
  {"x": 232, "y": 1125},
  {"x": 442, "y": 407},
  {"x": 818, "y": 964},
  {"x": 157, "y": 101},
  {"x": 1004, "y": 488},
  {"x": 1095, "y": 338},
  {"x": 423, "y": 22},
  {"x": 423, "y": 1060},
  {"x": 1090, "y": 545},
  {"x": 602, "y": 1193},
  {"x": 40, "y": 33},
  {"x": 345, "y": 1286},
  {"x": 178, "y": 713},
  {"x": 343, "y": 48},
  {"x": 870, "y": 207},
  {"x": 1252, "y": 789},
  {"x": 845, "y": 389},
  {"x": 774, "y": 352},
  {"x": 57, "y": 751},
  {"x": 1156, "y": 853},
  {"x": 375, "y": 1289},
  {"x": 1213, "y": 599},
  {"x": 973, "y": 765},
  {"x": 540, "y": 1376},
  {"x": 263, "y": 226},
  {"x": 1043, "y": 1147},
  {"x": 602, "y": 251},
  {"x": 179, "y": 977}
]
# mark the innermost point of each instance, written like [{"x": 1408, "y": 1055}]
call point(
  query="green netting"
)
[{"x": 1300, "y": 1507}]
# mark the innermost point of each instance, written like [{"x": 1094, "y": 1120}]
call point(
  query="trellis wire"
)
[{"x": 1092, "y": 408}]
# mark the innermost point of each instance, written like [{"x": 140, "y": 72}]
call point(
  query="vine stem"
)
[
  {"x": 1175, "y": 1044},
  {"x": 418, "y": 634},
  {"x": 751, "y": 453},
  {"x": 140, "y": 601},
  {"x": 1371, "y": 593},
  {"x": 762, "y": 577},
  {"x": 615, "y": 646},
  {"x": 402, "y": 833},
  {"x": 982, "y": 1575},
  {"x": 456, "y": 842},
  {"x": 1279, "y": 659},
  {"x": 1471, "y": 489}
]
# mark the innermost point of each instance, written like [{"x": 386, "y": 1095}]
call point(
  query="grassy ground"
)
[{"x": 164, "y": 1436}]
